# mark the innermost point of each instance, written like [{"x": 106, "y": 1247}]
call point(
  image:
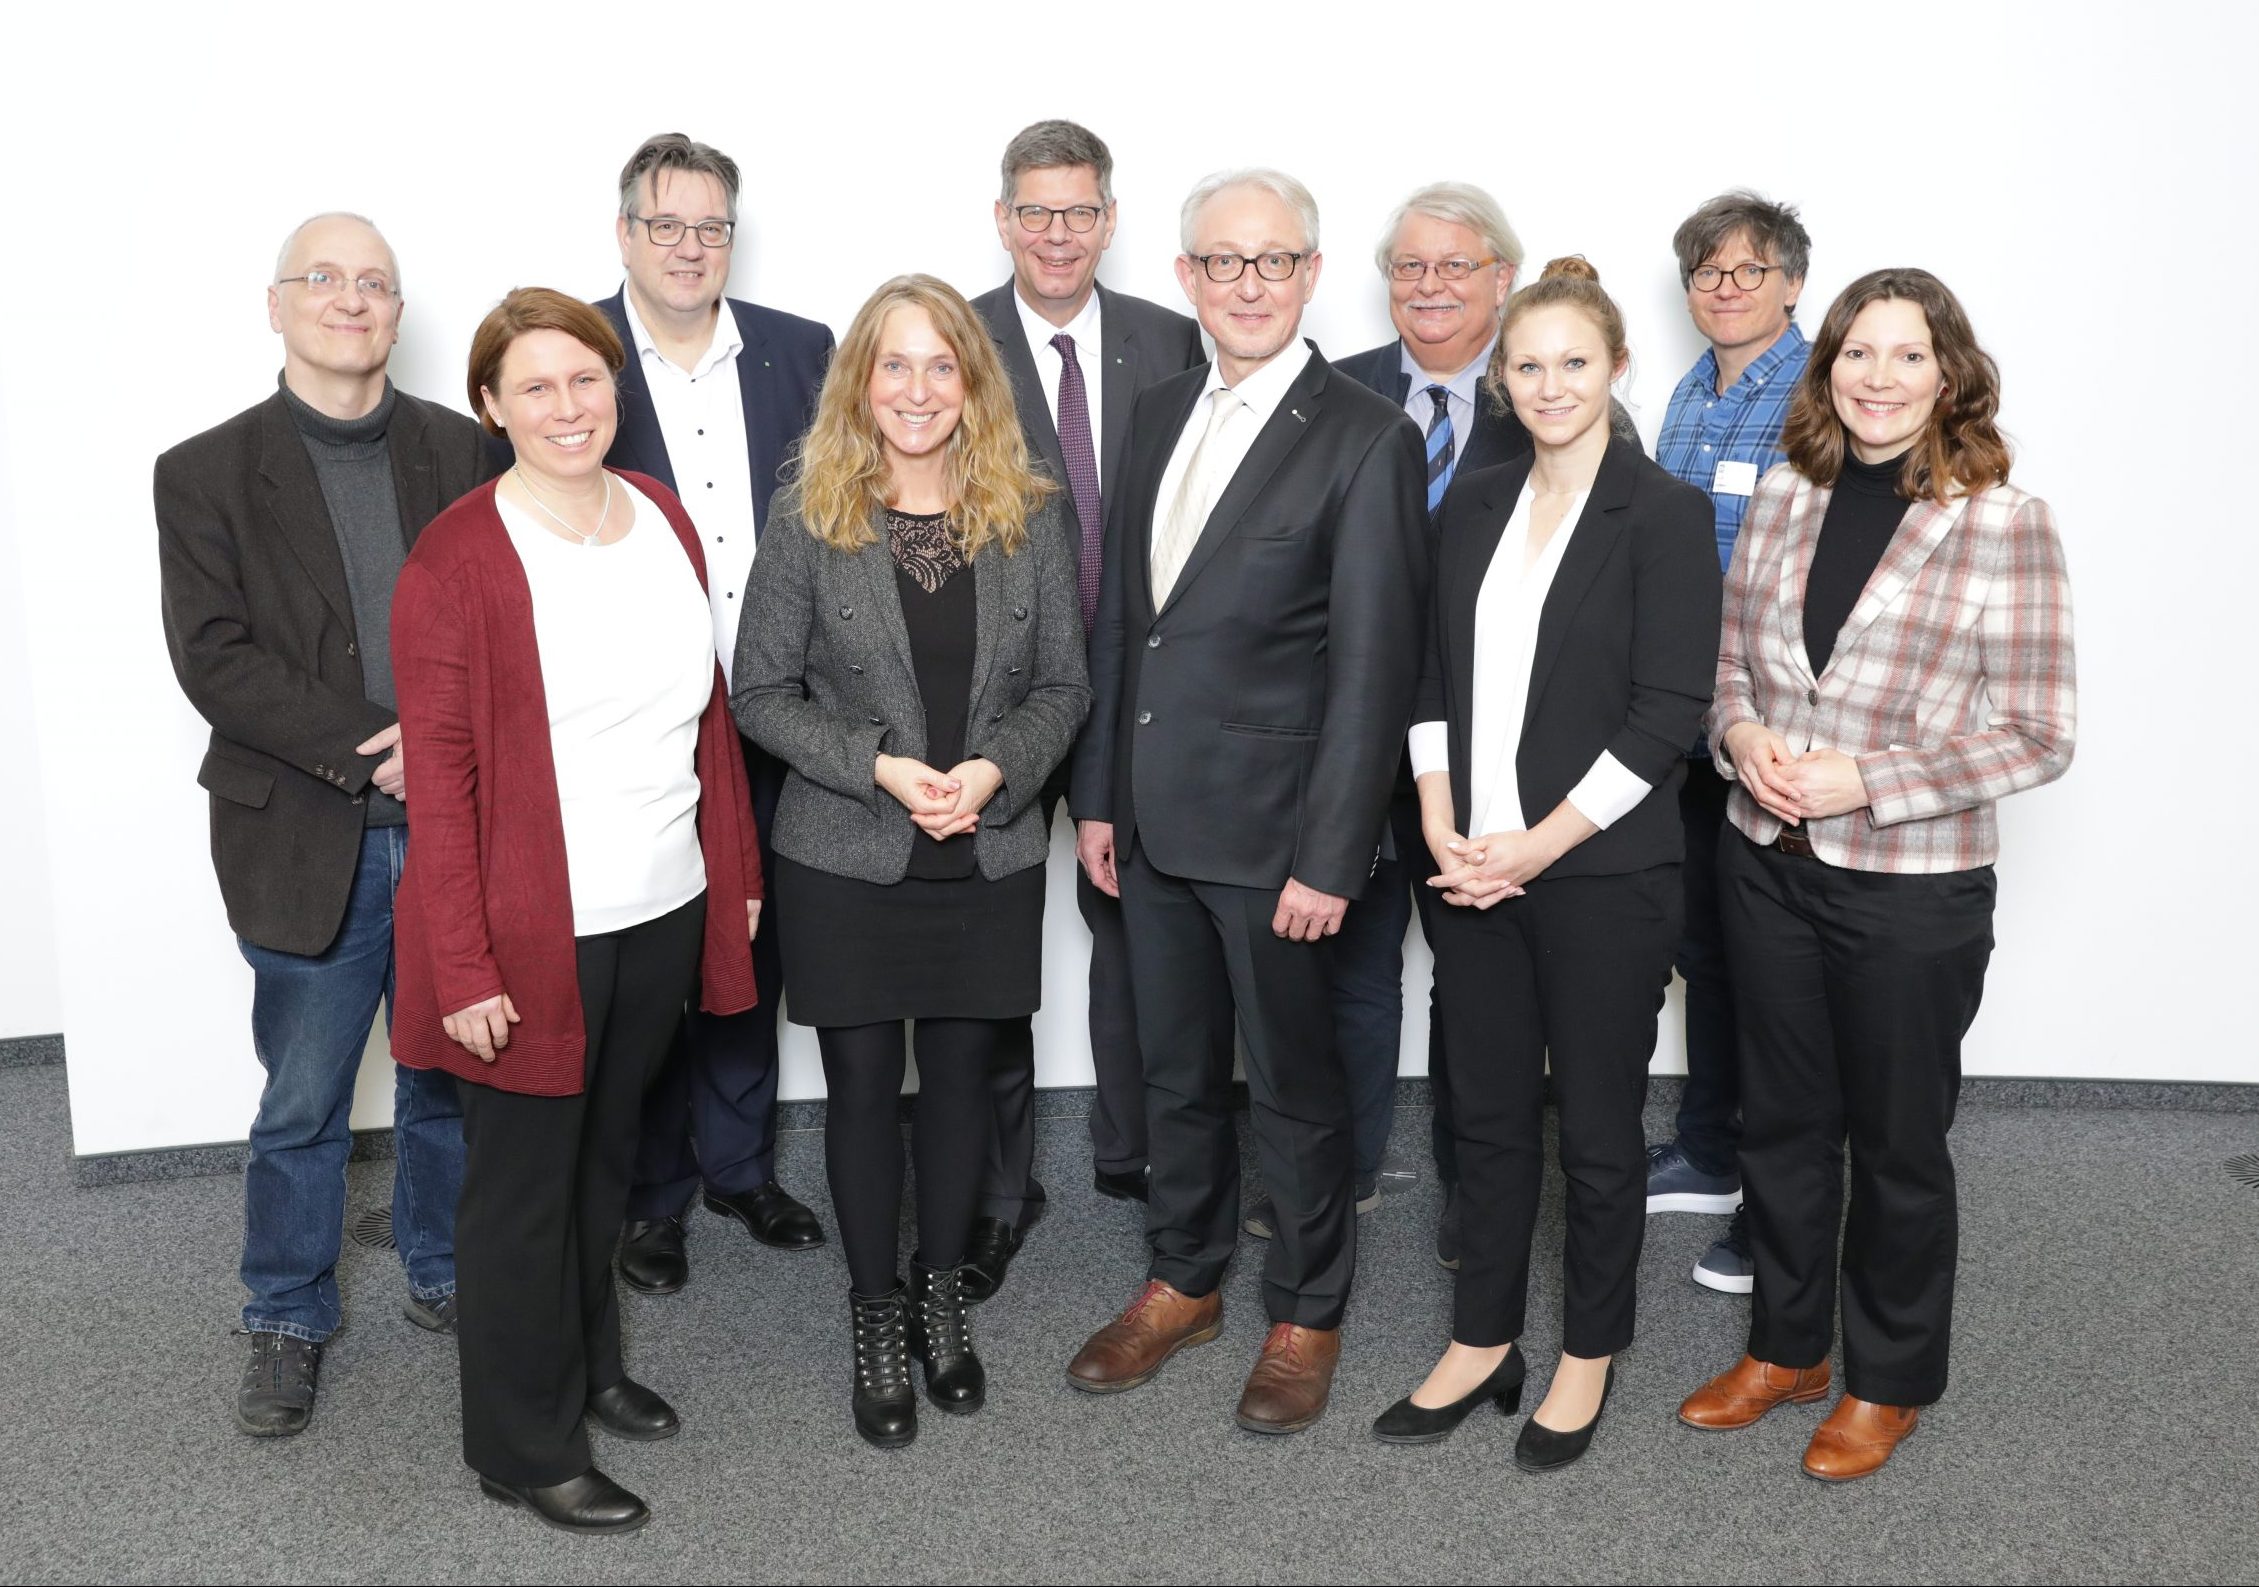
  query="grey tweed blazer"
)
[{"x": 823, "y": 681}]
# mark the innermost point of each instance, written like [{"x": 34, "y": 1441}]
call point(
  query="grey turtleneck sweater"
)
[{"x": 353, "y": 460}]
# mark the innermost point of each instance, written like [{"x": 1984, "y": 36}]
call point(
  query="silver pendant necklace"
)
[{"x": 594, "y": 535}]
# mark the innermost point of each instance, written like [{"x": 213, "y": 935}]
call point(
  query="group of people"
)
[{"x": 728, "y": 670}]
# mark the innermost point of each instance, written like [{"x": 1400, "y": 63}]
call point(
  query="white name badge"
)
[{"x": 1735, "y": 479}]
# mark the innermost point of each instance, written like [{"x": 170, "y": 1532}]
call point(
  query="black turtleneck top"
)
[{"x": 1863, "y": 514}]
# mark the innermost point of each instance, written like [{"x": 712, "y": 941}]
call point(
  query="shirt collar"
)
[
  {"x": 1083, "y": 327},
  {"x": 1265, "y": 389},
  {"x": 1463, "y": 385},
  {"x": 1789, "y": 345},
  {"x": 727, "y": 342}
]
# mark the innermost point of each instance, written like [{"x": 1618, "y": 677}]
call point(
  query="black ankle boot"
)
[
  {"x": 941, "y": 1335},
  {"x": 886, "y": 1405}
]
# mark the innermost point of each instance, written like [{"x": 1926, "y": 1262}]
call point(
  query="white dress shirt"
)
[
  {"x": 1507, "y": 609},
  {"x": 626, "y": 673},
  {"x": 1261, "y": 393},
  {"x": 1085, "y": 329},
  {"x": 701, "y": 413},
  {"x": 1462, "y": 392}
]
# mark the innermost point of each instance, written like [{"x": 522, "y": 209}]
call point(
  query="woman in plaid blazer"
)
[{"x": 1895, "y": 658}]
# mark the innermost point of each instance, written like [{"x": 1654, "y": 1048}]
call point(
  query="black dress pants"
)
[
  {"x": 1575, "y": 967},
  {"x": 711, "y": 1116},
  {"x": 1709, "y": 1119},
  {"x": 1117, "y": 1114},
  {"x": 545, "y": 1180},
  {"x": 1853, "y": 989},
  {"x": 1197, "y": 951},
  {"x": 950, "y": 1130}
]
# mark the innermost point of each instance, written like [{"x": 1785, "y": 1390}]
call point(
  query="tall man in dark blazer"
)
[
  {"x": 714, "y": 395},
  {"x": 1077, "y": 354},
  {"x": 1253, "y": 666},
  {"x": 280, "y": 534}
]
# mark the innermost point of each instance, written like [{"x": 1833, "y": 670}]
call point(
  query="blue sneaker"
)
[
  {"x": 1726, "y": 1267},
  {"x": 1676, "y": 1185}
]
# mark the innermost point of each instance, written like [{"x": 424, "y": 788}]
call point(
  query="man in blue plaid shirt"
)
[{"x": 1742, "y": 261}]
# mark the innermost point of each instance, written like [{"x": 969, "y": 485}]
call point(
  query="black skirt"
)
[{"x": 858, "y": 953}]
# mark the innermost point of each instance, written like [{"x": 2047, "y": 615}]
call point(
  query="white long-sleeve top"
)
[{"x": 1507, "y": 609}]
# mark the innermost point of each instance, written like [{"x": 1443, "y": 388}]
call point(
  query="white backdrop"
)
[{"x": 2083, "y": 189}]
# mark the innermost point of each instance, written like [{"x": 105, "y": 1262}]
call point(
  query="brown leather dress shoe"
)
[
  {"x": 1130, "y": 1349},
  {"x": 1857, "y": 1439},
  {"x": 1287, "y": 1390},
  {"x": 1737, "y": 1398}
]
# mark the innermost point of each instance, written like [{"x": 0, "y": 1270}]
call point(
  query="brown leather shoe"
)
[
  {"x": 1287, "y": 1390},
  {"x": 1857, "y": 1439},
  {"x": 1737, "y": 1398},
  {"x": 1130, "y": 1349}
]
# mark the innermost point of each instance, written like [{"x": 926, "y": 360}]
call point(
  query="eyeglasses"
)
[
  {"x": 1448, "y": 269},
  {"x": 666, "y": 230},
  {"x": 1748, "y": 277},
  {"x": 1231, "y": 266},
  {"x": 328, "y": 284},
  {"x": 1037, "y": 217}
]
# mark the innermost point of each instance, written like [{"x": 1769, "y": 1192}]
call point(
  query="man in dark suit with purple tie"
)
[{"x": 1077, "y": 354}]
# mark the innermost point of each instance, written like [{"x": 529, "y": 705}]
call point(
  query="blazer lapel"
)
[
  {"x": 1145, "y": 502},
  {"x": 639, "y": 443},
  {"x": 1117, "y": 387},
  {"x": 415, "y": 483},
  {"x": 1919, "y": 534},
  {"x": 1805, "y": 510},
  {"x": 301, "y": 516},
  {"x": 999, "y": 589},
  {"x": 1290, "y": 421},
  {"x": 766, "y": 418},
  {"x": 1011, "y": 340},
  {"x": 883, "y": 597},
  {"x": 1590, "y": 544},
  {"x": 1466, "y": 555}
]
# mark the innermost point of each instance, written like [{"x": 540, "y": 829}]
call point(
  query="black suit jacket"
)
[
  {"x": 1498, "y": 437},
  {"x": 1247, "y": 731},
  {"x": 780, "y": 372},
  {"x": 260, "y": 626},
  {"x": 1627, "y": 647},
  {"x": 1144, "y": 344}
]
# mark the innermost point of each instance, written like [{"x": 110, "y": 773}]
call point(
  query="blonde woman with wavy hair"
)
[{"x": 911, "y": 647}]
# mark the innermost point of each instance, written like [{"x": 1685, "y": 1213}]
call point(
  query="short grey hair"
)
[
  {"x": 1276, "y": 183},
  {"x": 1048, "y": 145},
  {"x": 1771, "y": 229},
  {"x": 1460, "y": 204},
  {"x": 673, "y": 151},
  {"x": 282, "y": 254}
]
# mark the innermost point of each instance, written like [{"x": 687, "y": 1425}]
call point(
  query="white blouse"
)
[
  {"x": 1507, "y": 609},
  {"x": 627, "y": 663}
]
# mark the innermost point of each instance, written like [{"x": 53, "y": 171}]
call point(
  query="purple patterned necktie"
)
[{"x": 1082, "y": 471}]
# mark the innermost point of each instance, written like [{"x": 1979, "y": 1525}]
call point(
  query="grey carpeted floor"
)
[{"x": 2103, "y": 1425}]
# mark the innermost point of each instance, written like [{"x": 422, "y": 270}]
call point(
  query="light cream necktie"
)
[{"x": 1195, "y": 498}]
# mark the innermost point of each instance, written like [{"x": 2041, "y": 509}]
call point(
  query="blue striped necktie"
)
[{"x": 1442, "y": 454}]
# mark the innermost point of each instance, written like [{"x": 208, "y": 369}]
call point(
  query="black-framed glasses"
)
[
  {"x": 666, "y": 230},
  {"x": 1037, "y": 217},
  {"x": 1448, "y": 269},
  {"x": 1748, "y": 277},
  {"x": 1272, "y": 266},
  {"x": 329, "y": 283}
]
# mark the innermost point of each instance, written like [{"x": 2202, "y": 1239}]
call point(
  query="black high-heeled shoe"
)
[
  {"x": 1542, "y": 1449},
  {"x": 1406, "y": 1423}
]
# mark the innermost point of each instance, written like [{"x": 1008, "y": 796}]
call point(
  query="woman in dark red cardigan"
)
[{"x": 584, "y": 861}]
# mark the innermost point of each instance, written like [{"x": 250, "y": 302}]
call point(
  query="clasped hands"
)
[
  {"x": 1478, "y": 872},
  {"x": 1796, "y": 788},
  {"x": 941, "y": 804}
]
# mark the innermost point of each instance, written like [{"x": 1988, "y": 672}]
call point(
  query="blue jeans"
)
[{"x": 310, "y": 1018}]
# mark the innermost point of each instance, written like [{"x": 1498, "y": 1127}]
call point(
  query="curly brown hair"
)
[{"x": 1961, "y": 451}]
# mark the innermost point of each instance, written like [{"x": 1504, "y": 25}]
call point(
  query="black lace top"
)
[{"x": 938, "y": 611}]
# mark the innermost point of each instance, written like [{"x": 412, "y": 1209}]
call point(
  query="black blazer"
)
[
  {"x": 1498, "y": 437},
  {"x": 780, "y": 371},
  {"x": 1144, "y": 344},
  {"x": 259, "y": 623},
  {"x": 1247, "y": 732},
  {"x": 1627, "y": 647}
]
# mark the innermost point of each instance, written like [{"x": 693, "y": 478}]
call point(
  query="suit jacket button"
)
[
  {"x": 352, "y": 649},
  {"x": 1152, "y": 641},
  {"x": 847, "y": 611},
  {"x": 1144, "y": 717},
  {"x": 1019, "y": 614},
  {"x": 1811, "y": 697}
]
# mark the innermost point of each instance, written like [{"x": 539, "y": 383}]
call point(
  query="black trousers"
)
[
  {"x": 1854, "y": 989},
  {"x": 545, "y": 1180},
  {"x": 1117, "y": 1116},
  {"x": 1198, "y": 950},
  {"x": 1709, "y": 1120},
  {"x": 951, "y": 1125},
  {"x": 711, "y": 1117},
  {"x": 1575, "y": 968}
]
